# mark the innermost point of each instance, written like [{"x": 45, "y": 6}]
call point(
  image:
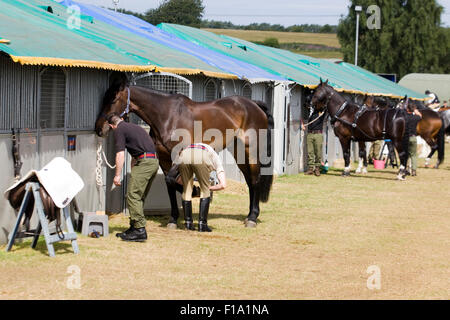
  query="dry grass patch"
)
[{"x": 315, "y": 240}]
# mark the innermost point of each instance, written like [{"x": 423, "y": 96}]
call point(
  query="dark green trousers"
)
[
  {"x": 141, "y": 178},
  {"x": 314, "y": 143},
  {"x": 412, "y": 151}
]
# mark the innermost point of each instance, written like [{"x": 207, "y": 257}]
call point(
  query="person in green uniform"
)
[
  {"x": 141, "y": 147},
  {"x": 314, "y": 141}
]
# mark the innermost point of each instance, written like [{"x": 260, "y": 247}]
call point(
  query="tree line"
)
[
  {"x": 190, "y": 13},
  {"x": 409, "y": 37},
  {"x": 398, "y": 37}
]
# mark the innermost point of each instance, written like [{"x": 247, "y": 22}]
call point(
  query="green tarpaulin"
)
[
  {"x": 46, "y": 33},
  {"x": 302, "y": 69}
]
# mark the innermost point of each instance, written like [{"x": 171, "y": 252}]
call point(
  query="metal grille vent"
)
[
  {"x": 210, "y": 90},
  {"x": 164, "y": 83},
  {"x": 168, "y": 83},
  {"x": 247, "y": 91},
  {"x": 53, "y": 96}
]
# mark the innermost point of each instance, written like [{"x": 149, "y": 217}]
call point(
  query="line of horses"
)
[
  {"x": 375, "y": 120},
  {"x": 166, "y": 112}
]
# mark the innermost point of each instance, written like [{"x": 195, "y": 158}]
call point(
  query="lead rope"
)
[{"x": 98, "y": 168}]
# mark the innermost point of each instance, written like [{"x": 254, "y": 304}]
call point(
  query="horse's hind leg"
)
[
  {"x": 401, "y": 144},
  {"x": 251, "y": 175}
]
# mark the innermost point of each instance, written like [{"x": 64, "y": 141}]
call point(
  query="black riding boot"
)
[
  {"x": 187, "y": 209},
  {"x": 203, "y": 215}
]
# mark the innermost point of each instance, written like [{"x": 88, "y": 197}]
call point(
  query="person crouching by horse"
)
[
  {"x": 314, "y": 141},
  {"x": 412, "y": 117},
  {"x": 200, "y": 159},
  {"x": 141, "y": 147}
]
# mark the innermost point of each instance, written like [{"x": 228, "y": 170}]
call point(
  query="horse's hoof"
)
[
  {"x": 345, "y": 173},
  {"x": 171, "y": 225},
  {"x": 358, "y": 171},
  {"x": 401, "y": 177},
  {"x": 250, "y": 224}
]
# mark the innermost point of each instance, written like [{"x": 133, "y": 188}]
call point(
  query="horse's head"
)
[
  {"x": 321, "y": 96},
  {"x": 369, "y": 101},
  {"x": 114, "y": 100}
]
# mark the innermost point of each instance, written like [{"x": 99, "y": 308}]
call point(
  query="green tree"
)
[
  {"x": 410, "y": 37},
  {"x": 271, "y": 42},
  {"x": 184, "y": 12}
]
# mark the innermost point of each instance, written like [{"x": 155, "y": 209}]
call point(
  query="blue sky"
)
[{"x": 284, "y": 12}]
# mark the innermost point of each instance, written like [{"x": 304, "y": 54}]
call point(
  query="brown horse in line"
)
[
  {"x": 351, "y": 122},
  {"x": 167, "y": 114},
  {"x": 430, "y": 127}
]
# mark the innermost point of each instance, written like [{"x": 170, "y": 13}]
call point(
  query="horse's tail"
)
[
  {"x": 266, "y": 171},
  {"x": 441, "y": 142}
]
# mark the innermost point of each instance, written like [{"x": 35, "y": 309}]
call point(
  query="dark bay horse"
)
[
  {"x": 168, "y": 114},
  {"x": 352, "y": 122},
  {"x": 430, "y": 127},
  {"x": 373, "y": 103}
]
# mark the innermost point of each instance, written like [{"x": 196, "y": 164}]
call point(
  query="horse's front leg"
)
[
  {"x": 362, "y": 165},
  {"x": 174, "y": 213},
  {"x": 165, "y": 162},
  {"x": 345, "y": 143}
]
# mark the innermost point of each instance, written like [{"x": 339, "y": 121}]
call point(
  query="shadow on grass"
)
[
  {"x": 60, "y": 247},
  {"x": 338, "y": 173},
  {"x": 164, "y": 219}
]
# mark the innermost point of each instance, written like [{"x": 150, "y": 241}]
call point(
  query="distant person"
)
[
  {"x": 432, "y": 101},
  {"x": 374, "y": 151},
  {"x": 412, "y": 117},
  {"x": 314, "y": 141}
]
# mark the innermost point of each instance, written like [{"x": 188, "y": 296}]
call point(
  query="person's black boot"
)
[
  {"x": 203, "y": 215},
  {"x": 120, "y": 234},
  {"x": 137, "y": 234},
  {"x": 187, "y": 208}
]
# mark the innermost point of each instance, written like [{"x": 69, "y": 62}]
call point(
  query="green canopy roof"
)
[
  {"x": 39, "y": 32},
  {"x": 304, "y": 70}
]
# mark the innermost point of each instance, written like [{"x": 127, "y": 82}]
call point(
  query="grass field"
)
[
  {"x": 328, "y": 39},
  {"x": 284, "y": 38},
  {"x": 316, "y": 238}
]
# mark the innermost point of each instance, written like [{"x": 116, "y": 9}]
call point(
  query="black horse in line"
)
[{"x": 351, "y": 122}]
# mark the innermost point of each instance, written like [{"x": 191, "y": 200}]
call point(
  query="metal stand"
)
[
  {"x": 33, "y": 187},
  {"x": 391, "y": 158}
]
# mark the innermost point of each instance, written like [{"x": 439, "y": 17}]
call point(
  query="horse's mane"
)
[
  {"x": 155, "y": 91},
  {"x": 119, "y": 83}
]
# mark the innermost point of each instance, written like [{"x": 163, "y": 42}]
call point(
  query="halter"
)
[
  {"x": 329, "y": 98},
  {"x": 127, "y": 109}
]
